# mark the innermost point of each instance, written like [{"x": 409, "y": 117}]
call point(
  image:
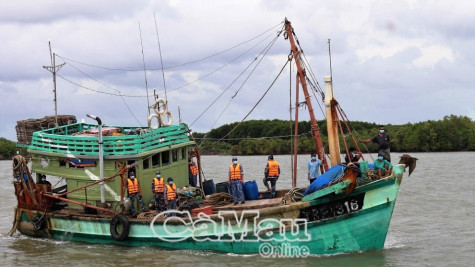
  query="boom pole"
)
[{"x": 303, "y": 81}]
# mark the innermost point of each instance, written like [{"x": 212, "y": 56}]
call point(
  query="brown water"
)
[{"x": 432, "y": 225}]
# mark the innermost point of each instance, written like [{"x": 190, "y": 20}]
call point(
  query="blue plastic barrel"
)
[
  {"x": 251, "y": 192},
  {"x": 222, "y": 187},
  {"x": 208, "y": 187}
]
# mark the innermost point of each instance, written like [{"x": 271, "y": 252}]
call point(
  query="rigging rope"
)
[
  {"x": 177, "y": 88},
  {"x": 259, "y": 101},
  {"x": 262, "y": 54},
  {"x": 144, "y": 72},
  {"x": 161, "y": 59},
  {"x": 179, "y": 65},
  {"x": 120, "y": 94}
]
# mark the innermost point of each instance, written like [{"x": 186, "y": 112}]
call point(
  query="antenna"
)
[
  {"x": 53, "y": 69},
  {"x": 144, "y": 71},
  {"x": 161, "y": 60}
]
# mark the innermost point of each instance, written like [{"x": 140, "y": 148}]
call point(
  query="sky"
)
[{"x": 392, "y": 62}]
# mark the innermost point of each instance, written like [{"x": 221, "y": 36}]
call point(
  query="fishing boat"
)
[{"x": 343, "y": 214}]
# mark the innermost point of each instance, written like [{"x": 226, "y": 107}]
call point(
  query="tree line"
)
[
  {"x": 261, "y": 137},
  {"x": 258, "y": 137}
]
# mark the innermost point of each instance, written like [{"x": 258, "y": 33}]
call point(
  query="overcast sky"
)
[{"x": 393, "y": 61}]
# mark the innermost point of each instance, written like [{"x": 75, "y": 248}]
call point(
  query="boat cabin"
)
[{"x": 72, "y": 152}]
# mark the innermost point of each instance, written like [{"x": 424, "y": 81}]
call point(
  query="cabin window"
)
[
  {"x": 175, "y": 155},
  {"x": 156, "y": 160},
  {"x": 62, "y": 162},
  {"x": 165, "y": 157},
  {"x": 146, "y": 163},
  {"x": 183, "y": 153}
]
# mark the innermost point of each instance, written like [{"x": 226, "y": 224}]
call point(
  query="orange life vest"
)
[
  {"x": 273, "y": 167},
  {"x": 193, "y": 169},
  {"x": 158, "y": 185},
  {"x": 132, "y": 186},
  {"x": 171, "y": 192},
  {"x": 235, "y": 172}
]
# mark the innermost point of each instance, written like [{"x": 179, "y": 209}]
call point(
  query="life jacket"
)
[
  {"x": 132, "y": 186},
  {"x": 273, "y": 167},
  {"x": 171, "y": 192},
  {"x": 235, "y": 172},
  {"x": 193, "y": 169},
  {"x": 158, "y": 185}
]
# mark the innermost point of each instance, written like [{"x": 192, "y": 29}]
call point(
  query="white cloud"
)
[{"x": 385, "y": 54}]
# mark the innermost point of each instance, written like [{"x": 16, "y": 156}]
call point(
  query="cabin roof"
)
[{"x": 82, "y": 139}]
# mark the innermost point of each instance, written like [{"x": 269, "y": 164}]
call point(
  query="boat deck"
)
[{"x": 252, "y": 204}]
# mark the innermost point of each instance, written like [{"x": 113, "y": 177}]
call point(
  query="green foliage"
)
[
  {"x": 7, "y": 148},
  {"x": 259, "y": 137}
]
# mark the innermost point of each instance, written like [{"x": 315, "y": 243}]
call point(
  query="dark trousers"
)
[
  {"x": 159, "y": 201},
  {"x": 272, "y": 181},
  {"x": 192, "y": 179},
  {"x": 132, "y": 198},
  {"x": 171, "y": 206},
  {"x": 236, "y": 191}
]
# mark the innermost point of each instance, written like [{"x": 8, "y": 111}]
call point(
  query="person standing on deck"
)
[
  {"x": 158, "y": 186},
  {"x": 133, "y": 189},
  {"x": 271, "y": 172},
  {"x": 383, "y": 140},
  {"x": 192, "y": 172},
  {"x": 170, "y": 195},
  {"x": 313, "y": 168},
  {"x": 236, "y": 181}
]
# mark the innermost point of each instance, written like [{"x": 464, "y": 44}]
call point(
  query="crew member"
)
[
  {"x": 43, "y": 180},
  {"x": 170, "y": 195},
  {"x": 236, "y": 181},
  {"x": 271, "y": 172},
  {"x": 192, "y": 172},
  {"x": 312, "y": 168},
  {"x": 354, "y": 156},
  {"x": 382, "y": 167},
  {"x": 383, "y": 140},
  {"x": 133, "y": 189},
  {"x": 158, "y": 185}
]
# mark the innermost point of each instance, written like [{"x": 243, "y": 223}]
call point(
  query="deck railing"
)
[{"x": 76, "y": 139}]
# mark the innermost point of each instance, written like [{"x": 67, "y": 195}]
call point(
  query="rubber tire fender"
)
[{"x": 116, "y": 221}]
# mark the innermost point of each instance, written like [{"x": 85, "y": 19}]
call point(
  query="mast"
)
[
  {"x": 332, "y": 123},
  {"x": 296, "y": 133},
  {"x": 53, "y": 69},
  {"x": 302, "y": 77}
]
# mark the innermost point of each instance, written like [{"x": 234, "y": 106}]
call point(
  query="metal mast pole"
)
[
  {"x": 101, "y": 158},
  {"x": 53, "y": 69},
  {"x": 303, "y": 81}
]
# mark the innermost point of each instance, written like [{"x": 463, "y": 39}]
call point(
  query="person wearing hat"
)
[
  {"x": 313, "y": 168},
  {"x": 236, "y": 181},
  {"x": 133, "y": 189},
  {"x": 158, "y": 186},
  {"x": 382, "y": 167},
  {"x": 170, "y": 195},
  {"x": 271, "y": 172},
  {"x": 383, "y": 140}
]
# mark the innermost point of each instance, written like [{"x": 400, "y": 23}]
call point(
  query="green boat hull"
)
[{"x": 361, "y": 230}]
